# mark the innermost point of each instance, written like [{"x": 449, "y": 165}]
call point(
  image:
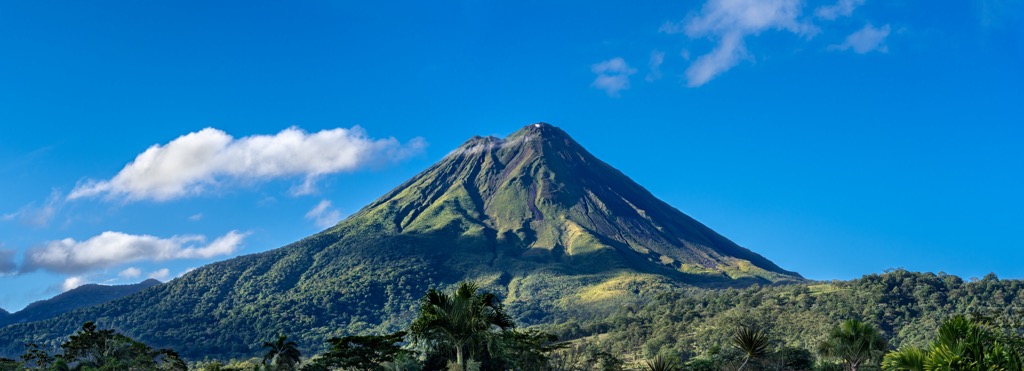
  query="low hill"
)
[{"x": 79, "y": 297}]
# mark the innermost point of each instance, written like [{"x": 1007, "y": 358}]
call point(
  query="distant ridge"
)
[
  {"x": 79, "y": 297},
  {"x": 532, "y": 216}
]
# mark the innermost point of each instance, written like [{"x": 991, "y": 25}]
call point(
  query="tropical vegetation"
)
[{"x": 893, "y": 321}]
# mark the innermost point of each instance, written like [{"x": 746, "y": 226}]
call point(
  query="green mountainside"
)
[
  {"x": 534, "y": 217},
  {"x": 79, "y": 297}
]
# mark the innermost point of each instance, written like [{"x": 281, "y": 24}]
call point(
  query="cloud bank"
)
[
  {"x": 201, "y": 161},
  {"x": 612, "y": 76},
  {"x": 110, "y": 249}
]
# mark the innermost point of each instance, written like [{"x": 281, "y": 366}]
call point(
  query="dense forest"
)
[{"x": 898, "y": 320}]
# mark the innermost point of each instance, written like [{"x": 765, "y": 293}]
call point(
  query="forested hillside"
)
[
  {"x": 79, "y": 297},
  {"x": 907, "y": 307}
]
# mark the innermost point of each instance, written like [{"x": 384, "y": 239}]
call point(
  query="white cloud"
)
[
  {"x": 323, "y": 215},
  {"x": 201, "y": 161},
  {"x": 657, "y": 58},
  {"x": 73, "y": 282},
  {"x": 130, "y": 272},
  {"x": 866, "y": 40},
  {"x": 842, "y": 8},
  {"x": 196, "y": 217},
  {"x": 110, "y": 249},
  {"x": 160, "y": 274},
  {"x": 726, "y": 55},
  {"x": 728, "y": 23},
  {"x": 612, "y": 76}
]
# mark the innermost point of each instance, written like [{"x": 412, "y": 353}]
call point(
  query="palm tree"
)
[
  {"x": 282, "y": 352},
  {"x": 905, "y": 359},
  {"x": 855, "y": 343},
  {"x": 752, "y": 340},
  {"x": 661, "y": 363},
  {"x": 961, "y": 345},
  {"x": 459, "y": 321}
]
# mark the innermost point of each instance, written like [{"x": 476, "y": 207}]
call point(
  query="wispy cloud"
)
[
  {"x": 110, "y": 249},
  {"x": 196, "y": 217},
  {"x": 842, "y": 8},
  {"x": 160, "y": 274},
  {"x": 323, "y": 215},
  {"x": 201, "y": 161},
  {"x": 1001, "y": 13},
  {"x": 657, "y": 58},
  {"x": 38, "y": 215},
  {"x": 728, "y": 23},
  {"x": 130, "y": 272},
  {"x": 612, "y": 76},
  {"x": 866, "y": 40}
]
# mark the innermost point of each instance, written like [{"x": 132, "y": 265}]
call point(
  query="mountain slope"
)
[
  {"x": 79, "y": 297},
  {"x": 534, "y": 217}
]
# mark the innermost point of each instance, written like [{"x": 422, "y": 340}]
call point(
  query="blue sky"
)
[{"x": 837, "y": 138}]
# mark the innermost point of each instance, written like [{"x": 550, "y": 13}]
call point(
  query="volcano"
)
[{"x": 532, "y": 216}]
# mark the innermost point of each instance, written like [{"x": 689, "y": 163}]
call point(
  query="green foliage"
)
[
  {"x": 94, "y": 349},
  {"x": 36, "y": 358},
  {"x": 856, "y": 343},
  {"x": 753, "y": 341},
  {"x": 961, "y": 344},
  {"x": 661, "y": 363},
  {"x": 797, "y": 358},
  {"x": 363, "y": 353},
  {"x": 527, "y": 350},
  {"x": 909, "y": 358},
  {"x": 583, "y": 357},
  {"x": 697, "y": 324},
  {"x": 462, "y": 321},
  {"x": 282, "y": 354}
]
